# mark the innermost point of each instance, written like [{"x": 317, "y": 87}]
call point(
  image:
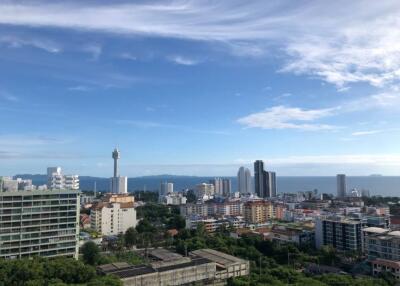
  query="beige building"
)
[
  {"x": 114, "y": 214},
  {"x": 258, "y": 211}
]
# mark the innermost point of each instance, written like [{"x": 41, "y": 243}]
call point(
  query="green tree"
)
[
  {"x": 191, "y": 196},
  {"x": 91, "y": 253},
  {"x": 130, "y": 237}
]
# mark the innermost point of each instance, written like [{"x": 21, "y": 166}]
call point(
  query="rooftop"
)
[
  {"x": 222, "y": 259},
  {"x": 377, "y": 230}
]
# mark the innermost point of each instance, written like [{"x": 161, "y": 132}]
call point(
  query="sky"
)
[{"x": 200, "y": 87}]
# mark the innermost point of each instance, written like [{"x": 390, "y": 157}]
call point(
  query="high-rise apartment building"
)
[
  {"x": 226, "y": 187},
  {"x": 343, "y": 233},
  {"x": 119, "y": 184},
  {"x": 265, "y": 182},
  {"x": 114, "y": 214},
  {"x": 244, "y": 181},
  {"x": 205, "y": 190},
  {"x": 56, "y": 180},
  {"x": 341, "y": 185},
  {"x": 166, "y": 188},
  {"x": 259, "y": 181},
  {"x": 218, "y": 186},
  {"x": 258, "y": 211},
  {"x": 271, "y": 184},
  {"x": 39, "y": 223}
]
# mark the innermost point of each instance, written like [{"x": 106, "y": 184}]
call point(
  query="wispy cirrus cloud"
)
[
  {"x": 14, "y": 41},
  {"x": 183, "y": 60},
  {"x": 79, "y": 88},
  {"x": 366, "y": 132},
  {"x": 95, "y": 50},
  {"x": 4, "y": 95},
  {"x": 282, "y": 117},
  {"x": 153, "y": 124},
  {"x": 338, "y": 42}
]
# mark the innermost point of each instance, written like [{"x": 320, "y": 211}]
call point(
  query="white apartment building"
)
[
  {"x": 174, "y": 199},
  {"x": 56, "y": 180},
  {"x": 382, "y": 248},
  {"x": 39, "y": 223},
  {"x": 114, "y": 215}
]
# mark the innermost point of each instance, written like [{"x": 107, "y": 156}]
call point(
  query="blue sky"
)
[{"x": 200, "y": 87}]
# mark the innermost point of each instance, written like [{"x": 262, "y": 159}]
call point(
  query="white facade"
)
[
  {"x": 119, "y": 185},
  {"x": 57, "y": 181},
  {"x": 114, "y": 215},
  {"x": 173, "y": 199},
  {"x": 8, "y": 184}
]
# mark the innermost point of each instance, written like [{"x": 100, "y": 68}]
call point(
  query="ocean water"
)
[{"x": 377, "y": 185}]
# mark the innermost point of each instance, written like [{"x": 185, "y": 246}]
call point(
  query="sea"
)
[{"x": 377, "y": 185}]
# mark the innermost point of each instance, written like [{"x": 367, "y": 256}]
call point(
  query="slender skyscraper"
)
[
  {"x": 265, "y": 182},
  {"x": 341, "y": 185},
  {"x": 259, "y": 179},
  {"x": 271, "y": 184},
  {"x": 244, "y": 181},
  {"x": 218, "y": 187},
  {"x": 226, "y": 187}
]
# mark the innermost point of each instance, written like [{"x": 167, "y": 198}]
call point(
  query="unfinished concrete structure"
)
[{"x": 205, "y": 266}]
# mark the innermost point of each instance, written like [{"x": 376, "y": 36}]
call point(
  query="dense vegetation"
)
[
  {"x": 52, "y": 272},
  {"x": 272, "y": 264}
]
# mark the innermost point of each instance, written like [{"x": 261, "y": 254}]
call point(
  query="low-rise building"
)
[
  {"x": 175, "y": 199},
  {"x": 114, "y": 214},
  {"x": 201, "y": 267},
  {"x": 299, "y": 235},
  {"x": 385, "y": 265},
  {"x": 212, "y": 224}
]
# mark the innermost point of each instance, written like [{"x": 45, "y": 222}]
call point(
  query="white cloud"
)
[
  {"x": 282, "y": 117},
  {"x": 13, "y": 41},
  {"x": 128, "y": 56},
  {"x": 340, "y": 42},
  {"x": 8, "y": 97},
  {"x": 95, "y": 50},
  {"x": 367, "y": 132},
  {"x": 181, "y": 60},
  {"x": 79, "y": 88}
]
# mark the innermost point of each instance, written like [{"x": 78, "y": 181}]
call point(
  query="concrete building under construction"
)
[{"x": 203, "y": 266}]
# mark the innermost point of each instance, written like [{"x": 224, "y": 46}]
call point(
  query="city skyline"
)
[{"x": 200, "y": 87}]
